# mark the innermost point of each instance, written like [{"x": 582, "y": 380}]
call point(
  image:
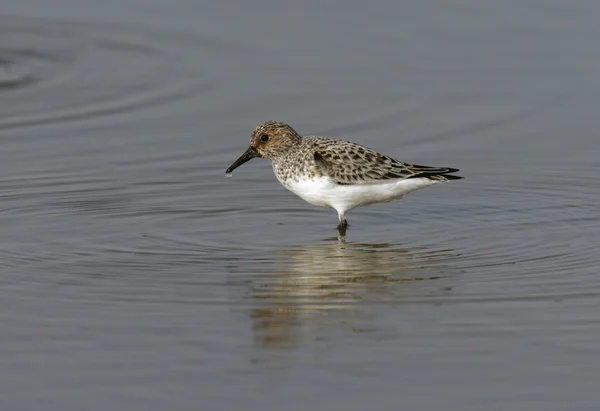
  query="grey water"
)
[{"x": 135, "y": 276}]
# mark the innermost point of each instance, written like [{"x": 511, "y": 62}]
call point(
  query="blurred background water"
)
[{"x": 135, "y": 276}]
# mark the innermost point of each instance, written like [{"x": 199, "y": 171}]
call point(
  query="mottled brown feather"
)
[
  {"x": 350, "y": 163},
  {"x": 295, "y": 157}
]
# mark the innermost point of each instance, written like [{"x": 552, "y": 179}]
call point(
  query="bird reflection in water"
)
[{"x": 317, "y": 291}]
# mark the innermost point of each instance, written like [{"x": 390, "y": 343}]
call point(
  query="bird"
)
[{"x": 335, "y": 173}]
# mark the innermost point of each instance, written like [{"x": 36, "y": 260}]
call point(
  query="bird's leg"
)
[{"x": 342, "y": 228}]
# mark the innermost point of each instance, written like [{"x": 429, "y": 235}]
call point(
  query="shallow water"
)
[{"x": 136, "y": 276}]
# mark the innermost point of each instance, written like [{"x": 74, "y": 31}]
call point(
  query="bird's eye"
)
[{"x": 264, "y": 138}]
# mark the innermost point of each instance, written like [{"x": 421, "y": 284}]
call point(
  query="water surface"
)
[{"x": 136, "y": 276}]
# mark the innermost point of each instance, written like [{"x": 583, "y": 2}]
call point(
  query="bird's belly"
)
[
  {"x": 326, "y": 193},
  {"x": 316, "y": 191}
]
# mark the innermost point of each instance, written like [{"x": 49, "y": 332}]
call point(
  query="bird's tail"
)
[{"x": 434, "y": 173}]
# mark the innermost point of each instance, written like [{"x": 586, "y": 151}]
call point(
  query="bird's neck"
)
[{"x": 293, "y": 146}]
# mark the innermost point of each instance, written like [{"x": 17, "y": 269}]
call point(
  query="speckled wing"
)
[{"x": 350, "y": 163}]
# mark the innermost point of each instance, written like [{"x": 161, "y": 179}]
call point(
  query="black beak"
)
[{"x": 247, "y": 156}]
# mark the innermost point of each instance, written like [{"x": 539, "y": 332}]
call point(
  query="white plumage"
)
[{"x": 324, "y": 192}]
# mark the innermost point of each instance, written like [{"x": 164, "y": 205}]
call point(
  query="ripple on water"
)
[
  {"x": 58, "y": 185},
  {"x": 529, "y": 239},
  {"x": 59, "y": 72}
]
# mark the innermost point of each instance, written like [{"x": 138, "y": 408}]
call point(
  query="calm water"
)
[{"x": 134, "y": 276}]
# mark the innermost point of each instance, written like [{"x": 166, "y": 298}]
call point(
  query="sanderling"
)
[{"x": 335, "y": 173}]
